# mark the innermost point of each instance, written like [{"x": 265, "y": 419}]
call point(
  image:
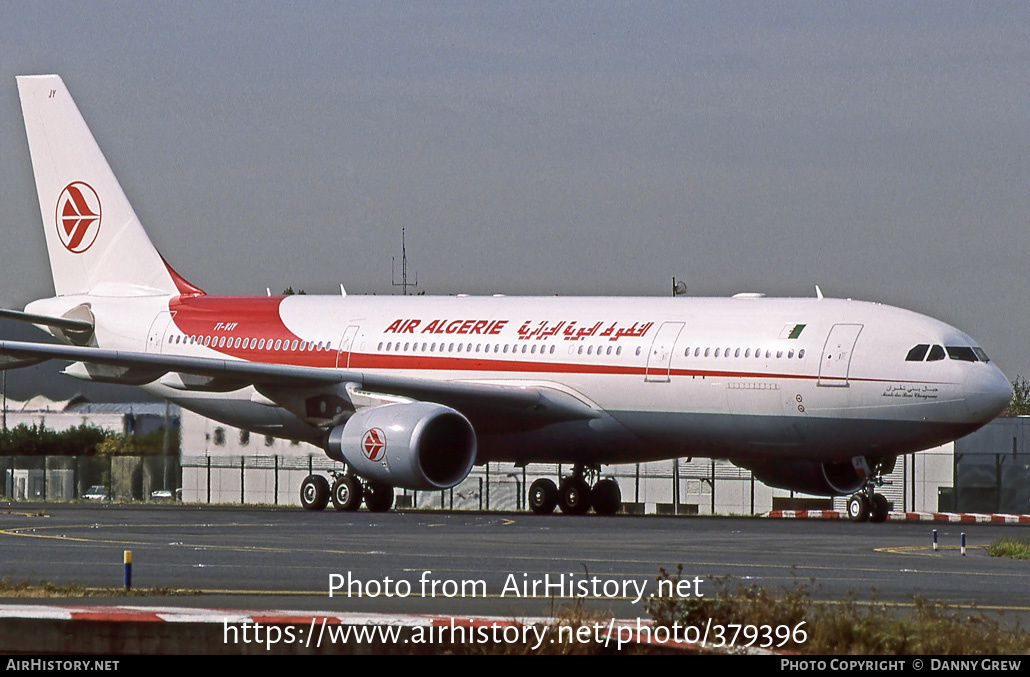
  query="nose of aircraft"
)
[{"x": 987, "y": 392}]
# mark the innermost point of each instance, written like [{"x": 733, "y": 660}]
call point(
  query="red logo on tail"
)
[
  {"x": 373, "y": 444},
  {"x": 78, "y": 216}
]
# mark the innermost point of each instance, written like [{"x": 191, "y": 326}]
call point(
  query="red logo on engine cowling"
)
[
  {"x": 78, "y": 216},
  {"x": 373, "y": 444}
]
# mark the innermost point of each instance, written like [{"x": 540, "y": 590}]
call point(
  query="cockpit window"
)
[
  {"x": 964, "y": 353},
  {"x": 936, "y": 353},
  {"x": 981, "y": 354},
  {"x": 918, "y": 353}
]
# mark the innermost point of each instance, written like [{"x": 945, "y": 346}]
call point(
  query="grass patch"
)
[
  {"x": 40, "y": 589},
  {"x": 1015, "y": 548},
  {"x": 844, "y": 627}
]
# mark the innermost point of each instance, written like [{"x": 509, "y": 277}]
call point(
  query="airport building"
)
[{"x": 68, "y": 478}]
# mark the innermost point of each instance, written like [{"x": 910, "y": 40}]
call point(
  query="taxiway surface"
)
[{"x": 286, "y": 558}]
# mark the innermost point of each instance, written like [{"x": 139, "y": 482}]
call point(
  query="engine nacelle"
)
[
  {"x": 811, "y": 477},
  {"x": 416, "y": 445}
]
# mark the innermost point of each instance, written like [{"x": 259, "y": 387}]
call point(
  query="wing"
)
[{"x": 491, "y": 407}]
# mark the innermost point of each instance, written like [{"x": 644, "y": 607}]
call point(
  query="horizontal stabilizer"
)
[{"x": 45, "y": 320}]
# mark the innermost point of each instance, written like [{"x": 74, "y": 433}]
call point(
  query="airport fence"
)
[
  {"x": 675, "y": 487},
  {"x": 668, "y": 487},
  {"x": 681, "y": 487},
  {"x": 991, "y": 483},
  {"x": 67, "y": 478}
]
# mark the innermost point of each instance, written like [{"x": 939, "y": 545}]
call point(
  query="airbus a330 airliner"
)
[{"x": 817, "y": 395}]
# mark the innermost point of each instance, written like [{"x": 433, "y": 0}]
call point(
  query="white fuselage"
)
[{"x": 741, "y": 378}]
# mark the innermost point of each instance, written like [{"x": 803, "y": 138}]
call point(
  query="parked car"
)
[
  {"x": 97, "y": 492},
  {"x": 161, "y": 495}
]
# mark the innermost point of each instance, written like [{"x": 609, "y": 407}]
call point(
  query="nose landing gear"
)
[{"x": 867, "y": 505}]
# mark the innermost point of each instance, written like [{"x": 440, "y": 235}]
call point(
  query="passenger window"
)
[
  {"x": 936, "y": 354},
  {"x": 918, "y": 353}
]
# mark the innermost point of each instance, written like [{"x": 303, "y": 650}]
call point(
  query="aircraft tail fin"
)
[{"x": 94, "y": 239}]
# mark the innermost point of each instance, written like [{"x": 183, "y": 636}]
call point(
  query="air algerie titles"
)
[
  {"x": 570, "y": 330},
  {"x": 489, "y": 327}
]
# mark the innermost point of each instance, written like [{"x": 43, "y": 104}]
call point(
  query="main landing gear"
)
[
  {"x": 867, "y": 505},
  {"x": 346, "y": 493},
  {"x": 574, "y": 495}
]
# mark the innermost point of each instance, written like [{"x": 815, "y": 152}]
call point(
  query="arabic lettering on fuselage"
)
[{"x": 569, "y": 330}]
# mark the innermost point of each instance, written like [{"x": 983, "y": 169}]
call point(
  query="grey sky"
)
[{"x": 878, "y": 150}]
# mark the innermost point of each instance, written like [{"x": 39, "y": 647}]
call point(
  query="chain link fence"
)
[
  {"x": 68, "y": 478},
  {"x": 670, "y": 487}
]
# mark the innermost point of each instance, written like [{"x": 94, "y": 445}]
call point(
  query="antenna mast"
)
[{"x": 403, "y": 284}]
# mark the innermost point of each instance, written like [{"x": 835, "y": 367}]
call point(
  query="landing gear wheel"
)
[
  {"x": 378, "y": 496},
  {"x": 606, "y": 497},
  {"x": 574, "y": 496},
  {"x": 858, "y": 508},
  {"x": 346, "y": 493},
  {"x": 879, "y": 508},
  {"x": 543, "y": 496},
  {"x": 314, "y": 492}
]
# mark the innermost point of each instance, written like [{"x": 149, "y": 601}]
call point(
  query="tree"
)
[{"x": 1020, "y": 405}]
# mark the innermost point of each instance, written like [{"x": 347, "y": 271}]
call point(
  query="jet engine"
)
[
  {"x": 811, "y": 477},
  {"x": 416, "y": 445}
]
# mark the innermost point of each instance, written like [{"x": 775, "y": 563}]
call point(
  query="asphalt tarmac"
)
[{"x": 499, "y": 564}]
